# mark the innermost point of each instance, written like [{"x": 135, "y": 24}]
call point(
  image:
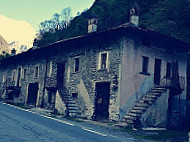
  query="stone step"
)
[
  {"x": 136, "y": 111},
  {"x": 70, "y": 101},
  {"x": 151, "y": 96},
  {"x": 146, "y": 102},
  {"x": 74, "y": 111},
  {"x": 129, "y": 122},
  {"x": 139, "y": 104},
  {"x": 158, "y": 88},
  {"x": 128, "y": 117},
  {"x": 149, "y": 99},
  {"x": 71, "y": 105},
  {"x": 73, "y": 108},
  {"x": 134, "y": 114},
  {"x": 154, "y": 93},
  {"x": 142, "y": 108},
  {"x": 157, "y": 91}
]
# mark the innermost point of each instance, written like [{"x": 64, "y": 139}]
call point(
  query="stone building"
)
[{"x": 125, "y": 74}]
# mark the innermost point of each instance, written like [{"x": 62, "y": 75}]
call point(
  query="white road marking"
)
[
  {"x": 94, "y": 132},
  {"x": 59, "y": 120},
  {"x": 41, "y": 115}
]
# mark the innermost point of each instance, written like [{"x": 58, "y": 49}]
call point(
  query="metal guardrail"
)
[{"x": 168, "y": 82}]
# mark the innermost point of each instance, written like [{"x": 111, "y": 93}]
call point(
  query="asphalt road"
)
[{"x": 17, "y": 125}]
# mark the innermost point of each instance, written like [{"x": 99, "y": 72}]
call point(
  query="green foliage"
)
[
  {"x": 4, "y": 55},
  {"x": 170, "y": 17}
]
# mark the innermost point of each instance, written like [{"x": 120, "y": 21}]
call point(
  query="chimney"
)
[
  {"x": 35, "y": 44},
  {"x": 92, "y": 24},
  {"x": 13, "y": 52},
  {"x": 134, "y": 14}
]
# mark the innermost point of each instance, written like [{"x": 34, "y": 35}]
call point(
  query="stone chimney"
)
[
  {"x": 134, "y": 14},
  {"x": 13, "y": 52},
  {"x": 92, "y": 24},
  {"x": 35, "y": 44}
]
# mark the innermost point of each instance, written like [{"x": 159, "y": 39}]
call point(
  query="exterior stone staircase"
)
[
  {"x": 8, "y": 90},
  {"x": 143, "y": 104},
  {"x": 71, "y": 105}
]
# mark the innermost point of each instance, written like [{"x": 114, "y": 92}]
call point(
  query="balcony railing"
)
[{"x": 168, "y": 82}]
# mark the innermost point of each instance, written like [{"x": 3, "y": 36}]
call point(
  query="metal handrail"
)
[{"x": 150, "y": 90}]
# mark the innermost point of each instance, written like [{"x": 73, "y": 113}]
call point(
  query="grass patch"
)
[
  {"x": 174, "y": 136},
  {"x": 73, "y": 119},
  {"x": 21, "y": 105}
]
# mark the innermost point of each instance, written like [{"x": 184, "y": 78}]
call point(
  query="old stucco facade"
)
[{"x": 113, "y": 57}]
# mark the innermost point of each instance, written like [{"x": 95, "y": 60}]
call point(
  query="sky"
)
[{"x": 19, "y": 19}]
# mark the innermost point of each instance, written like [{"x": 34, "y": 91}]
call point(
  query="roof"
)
[{"x": 127, "y": 27}]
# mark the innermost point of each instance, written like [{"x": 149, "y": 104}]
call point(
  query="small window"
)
[
  {"x": 13, "y": 75},
  {"x": 169, "y": 70},
  {"x": 76, "y": 64},
  {"x": 74, "y": 95},
  {"x": 36, "y": 71},
  {"x": 24, "y": 74},
  {"x": 103, "y": 61},
  {"x": 145, "y": 64}
]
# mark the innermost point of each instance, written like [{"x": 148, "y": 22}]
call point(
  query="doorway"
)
[
  {"x": 18, "y": 79},
  {"x": 102, "y": 101},
  {"x": 157, "y": 71},
  {"x": 60, "y": 74},
  {"x": 32, "y": 94}
]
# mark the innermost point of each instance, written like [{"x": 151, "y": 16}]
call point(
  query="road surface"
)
[{"x": 17, "y": 125}]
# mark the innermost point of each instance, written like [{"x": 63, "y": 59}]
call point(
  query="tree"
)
[
  {"x": 56, "y": 21},
  {"x": 66, "y": 16}
]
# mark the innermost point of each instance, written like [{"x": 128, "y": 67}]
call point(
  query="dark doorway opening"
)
[
  {"x": 32, "y": 94},
  {"x": 102, "y": 101},
  {"x": 157, "y": 71},
  {"x": 60, "y": 74}
]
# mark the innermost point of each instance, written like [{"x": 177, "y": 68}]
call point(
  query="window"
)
[
  {"x": 24, "y": 74},
  {"x": 145, "y": 64},
  {"x": 74, "y": 95},
  {"x": 50, "y": 69},
  {"x": 13, "y": 75},
  {"x": 76, "y": 64},
  {"x": 169, "y": 70},
  {"x": 103, "y": 61},
  {"x": 36, "y": 71}
]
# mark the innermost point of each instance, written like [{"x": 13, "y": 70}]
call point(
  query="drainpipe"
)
[{"x": 45, "y": 76}]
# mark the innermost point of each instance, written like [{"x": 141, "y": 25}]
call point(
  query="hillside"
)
[
  {"x": 4, "y": 47},
  {"x": 166, "y": 16}
]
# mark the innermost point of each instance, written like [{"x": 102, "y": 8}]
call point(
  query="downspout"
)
[{"x": 45, "y": 76}]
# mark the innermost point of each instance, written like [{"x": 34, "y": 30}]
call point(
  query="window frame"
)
[
  {"x": 100, "y": 61},
  {"x": 76, "y": 64},
  {"x": 14, "y": 75},
  {"x": 145, "y": 65},
  {"x": 36, "y": 73},
  {"x": 168, "y": 70},
  {"x": 25, "y": 74}
]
